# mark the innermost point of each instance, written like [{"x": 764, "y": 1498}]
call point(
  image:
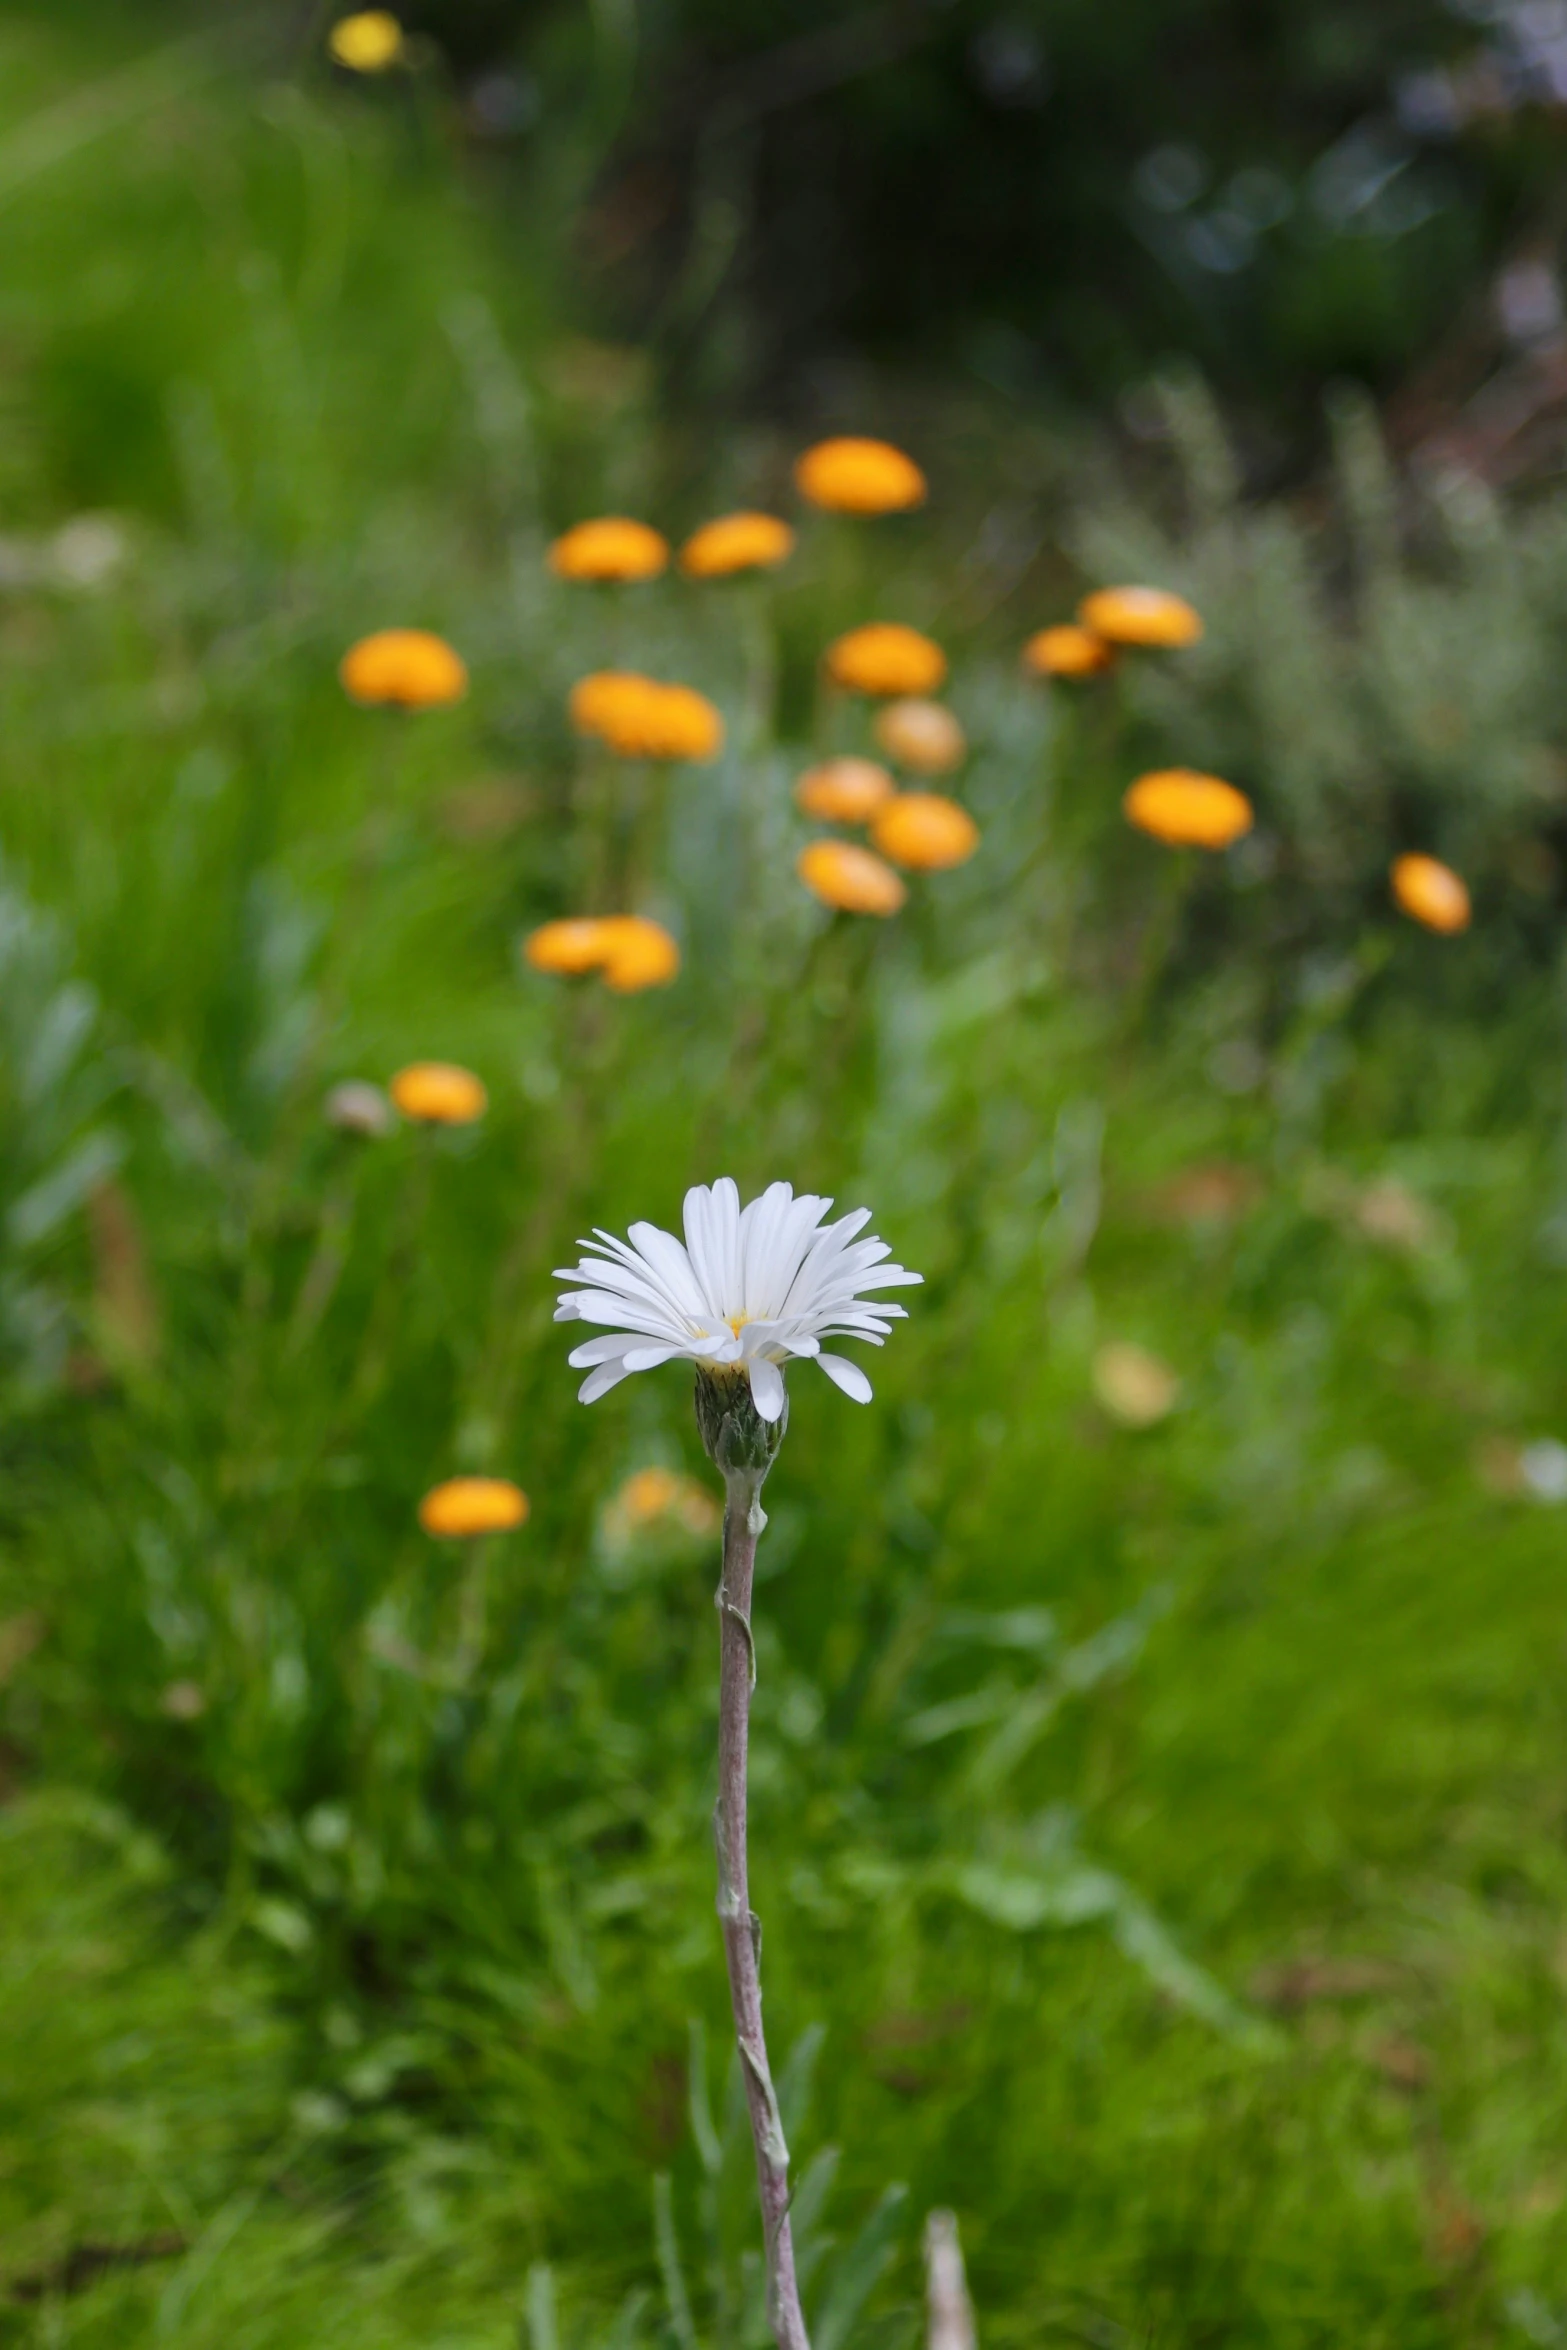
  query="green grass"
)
[{"x": 1158, "y": 1833}]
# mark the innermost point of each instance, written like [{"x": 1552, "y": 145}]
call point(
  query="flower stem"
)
[{"x": 742, "y": 1928}]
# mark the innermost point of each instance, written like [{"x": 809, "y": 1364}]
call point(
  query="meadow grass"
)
[{"x": 1158, "y": 1829}]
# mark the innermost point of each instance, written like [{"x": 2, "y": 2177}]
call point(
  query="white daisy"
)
[{"x": 751, "y": 1287}]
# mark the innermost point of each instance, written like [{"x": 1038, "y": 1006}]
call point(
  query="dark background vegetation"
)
[{"x": 1051, "y": 196}]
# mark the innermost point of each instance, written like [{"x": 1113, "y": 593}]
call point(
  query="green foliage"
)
[{"x": 355, "y": 1899}]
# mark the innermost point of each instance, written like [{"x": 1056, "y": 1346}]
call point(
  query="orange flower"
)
[
  {"x": 647, "y": 1494},
  {"x": 638, "y": 954},
  {"x": 886, "y": 658},
  {"x": 569, "y": 948},
  {"x": 599, "y": 700},
  {"x": 659, "y": 1498},
  {"x": 736, "y": 542},
  {"x": 1067, "y": 652},
  {"x": 923, "y": 830},
  {"x": 850, "y": 878},
  {"x": 641, "y": 719},
  {"x": 405, "y": 666},
  {"x": 473, "y": 1505},
  {"x": 609, "y": 548},
  {"x": 1139, "y": 616},
  {"x": 682, "y": 724},
  {"x": 859, "y": 477},
  {"x": 367, "y": 42},
  {"x": 438, "y": 1093},
  {"x": 1186, "y": 810},
  {"x": 1432, "y": 892},
  {"x": 921, "y": 735},
  {"x": 844, "y": 791}
]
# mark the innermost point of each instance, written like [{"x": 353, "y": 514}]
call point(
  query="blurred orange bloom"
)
[
  {"x": 884, "y": 657},
  {"x": 611, "y": 547},
  {"x": 921, "y": 735},
  {"x": 570, "y": 947},
  {"x": 1432, "y": 892},
  {"x": 1067, "y": 652},
  {"x": 641, "y": 719},
  {"x": 438, "y": 1093},
  {"x": 638, "y": 954},
  {"x": 1187, "y": 810},
  {"x": 736, "y": 542},
  {"x": 647, "y": 1494},
  {"x": 651, "y": 1494},
  {"x": 859, "y": 477},
  {"x": 473, "y": 1505},
  {"x": 922, "y": 830},
  {"x": 849, "y": 878},
  {"x": 367, "y": 42},
  {"x": 1140, "y": 616},
  {"x": 844, "y": 791},
  {"x": 597, "y": 700},
  {"x": 406, "y": 666},
  {"x": 658, "y": 1497}
]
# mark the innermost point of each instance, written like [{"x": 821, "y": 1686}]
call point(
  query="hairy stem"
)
[{"x": 742, "y": 1928}]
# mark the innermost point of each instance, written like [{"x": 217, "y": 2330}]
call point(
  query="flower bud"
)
[{"x": 738, "y": 1440}]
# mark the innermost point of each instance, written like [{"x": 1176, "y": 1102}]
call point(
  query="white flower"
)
[{"x": 751, "y": 1287}]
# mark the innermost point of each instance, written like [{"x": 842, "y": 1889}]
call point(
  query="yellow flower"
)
[
  {"x": 367, "y": 42},
  {"x": 859, "y": 477},
  {"x": 1140, "y": 616},
  {"x": 923, "y": 830},
  {"x": 849, "y": 878},
  {"x": 466, "y": 1506},
  {"x": 406, "y": 666},
  {"x": 438, "y": 1093},
  {"x": 844, "y": 791},
  {"x": 1432, "y": 892},
  {"x": 641, "y": 719},
  {"x": 886, "y": 658},
  {"x": 1186, "y": 810},
  {"x": 567, "y": 947},
  {"x": 921, "y": 735},
  {"x": 638, "y": 954},
  {"x": 736, "y": 542},
  {"x": 1067, "y": 652},
  {"x": 609, "y": 548}
]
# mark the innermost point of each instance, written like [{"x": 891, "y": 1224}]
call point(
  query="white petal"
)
[
  {"x": 648, "y": 1358},
  {"x": 767, "y": 1387},
  {"x": 601, "y": 1350},
  {"x": 700, "y": 1217},
  {"x": 600, "y": 1382},
  {"x": 775, "y": 1338},
  {"x": 624, "y": 1313},
  {"x": 846, "y": 1375},
  {"x": 670, "y": 1262},
  {"x": 760, "y": 1226}
]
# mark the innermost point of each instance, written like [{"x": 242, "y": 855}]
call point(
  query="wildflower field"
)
[{"x": 1159, "y": 1740}]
